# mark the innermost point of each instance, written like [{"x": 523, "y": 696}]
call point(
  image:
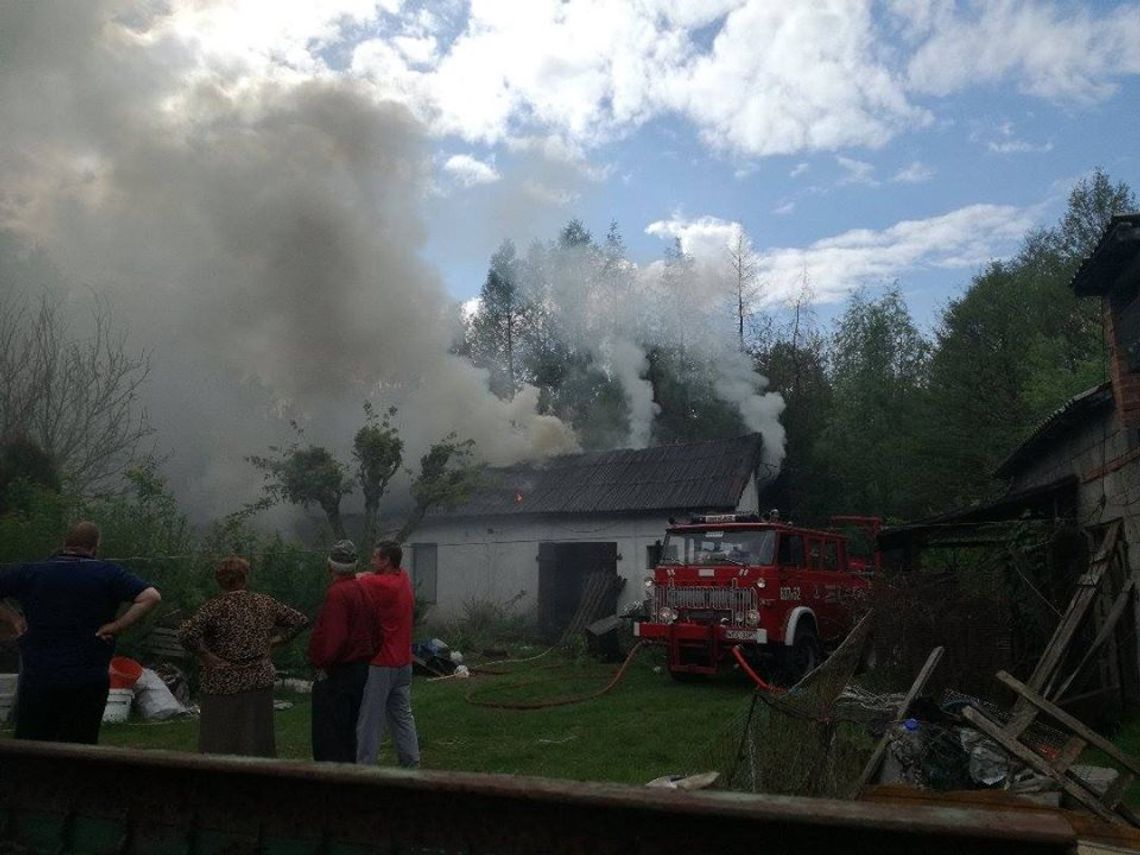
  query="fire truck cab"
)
[{"x": 781, "y": 592}]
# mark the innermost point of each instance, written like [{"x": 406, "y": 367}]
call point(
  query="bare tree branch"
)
[{"x": 75, "y": 397}]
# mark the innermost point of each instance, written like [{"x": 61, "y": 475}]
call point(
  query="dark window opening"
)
[{"x": 792, "y": 550}]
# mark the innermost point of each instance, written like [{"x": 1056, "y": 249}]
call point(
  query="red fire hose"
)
[{"x": 753, "y": 676}]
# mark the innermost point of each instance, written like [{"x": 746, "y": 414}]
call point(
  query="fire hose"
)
[
  {"x": 752, "y": 675},
  {"x": 557, "y": 702}
]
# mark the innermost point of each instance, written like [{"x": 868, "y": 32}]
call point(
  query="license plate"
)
[{"x": 740, "y": 634}]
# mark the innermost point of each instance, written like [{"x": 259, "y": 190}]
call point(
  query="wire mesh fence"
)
[{"x": 810, "y": 740}]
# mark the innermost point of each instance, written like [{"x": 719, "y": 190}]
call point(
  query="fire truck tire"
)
[{"x": 804, "y": 655}]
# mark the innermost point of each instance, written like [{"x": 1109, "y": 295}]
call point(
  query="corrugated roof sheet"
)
[
  {"x": 1117, "y": 248},
  {"x": 1070, "y": 414},
  {"x": 700, "y": 476}
]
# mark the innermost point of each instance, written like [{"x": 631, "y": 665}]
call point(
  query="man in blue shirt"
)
[{"x": 67, "y": 635}]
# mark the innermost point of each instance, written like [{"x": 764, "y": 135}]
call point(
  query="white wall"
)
[{"x": 495, "y": 558}]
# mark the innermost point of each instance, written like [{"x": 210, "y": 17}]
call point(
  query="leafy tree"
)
[
  {"x": 878, "y": 362},
  {"x": 21, "y": 460},
  {"x": 378, "y": 451},
  {"x": 446, "y": 478},
  {"x": 794, "y": 359},
  {"x": 1014, "y": 347},
  {"x": 305, "y": 476}
]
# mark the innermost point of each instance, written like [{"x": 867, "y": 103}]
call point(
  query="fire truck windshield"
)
[{"x": 719, "y": 546}]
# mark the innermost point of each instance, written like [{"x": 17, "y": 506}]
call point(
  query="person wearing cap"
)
[
  {"x": 234, "y": 635},
  {"x": 388, "y": 692},
  {"x": 67, "y": 635},
  {"x": 344, "y": 640}
]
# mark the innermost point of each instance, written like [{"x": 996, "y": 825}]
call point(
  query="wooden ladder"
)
[{"x": 1107, "y": 805}]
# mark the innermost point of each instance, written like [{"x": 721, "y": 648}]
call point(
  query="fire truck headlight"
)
[
  {"x": 752, "y": 617},
  {"x": 648, "y": 583},
  {"x": 760, "y": 583},
  {"x": 667, "y": 615}
]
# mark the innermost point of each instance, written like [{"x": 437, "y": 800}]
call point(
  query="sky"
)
[
  {"x": 286, "y": 201},
  {"x": 857, "y": 143}
]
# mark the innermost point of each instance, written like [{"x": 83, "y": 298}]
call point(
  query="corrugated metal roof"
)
[
  {"x": 1070, "y": 414},
  {"x": 1117, "y": 248},
  {"x": 699, "y": 476}
]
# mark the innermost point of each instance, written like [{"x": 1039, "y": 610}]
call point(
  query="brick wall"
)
[{"x": 1125, "y": 383}]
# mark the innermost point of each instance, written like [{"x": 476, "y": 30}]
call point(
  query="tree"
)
[
  {"x": 743, "y": 264},
  {"x": 574, "y": 234},
  {"x": 311, "y": 475},
  {"x": 75, "y": 397},
  {"x": 497, "y": 326},
  {"x": 21, "y": 460},
  {"x": 878, "y": 363},
  {"x": 305, "y": 476},
  {"x": 446, "y": 478},
  {"x": 1013, "y": 348},
  {"x": 794, "y": 359},
  {"x": 378, "y": 451}
]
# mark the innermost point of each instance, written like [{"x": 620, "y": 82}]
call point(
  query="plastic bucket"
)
[
  {"x": 8, "y": 683},
  {"x": 7, "y": 701},
  {"x": 124, "y": 672},
  {"x": 118, "y": 707}
]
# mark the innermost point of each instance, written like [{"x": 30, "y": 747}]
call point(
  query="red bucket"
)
[{"x": 124, "y": 672}]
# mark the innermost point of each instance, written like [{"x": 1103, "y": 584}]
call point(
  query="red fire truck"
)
[{"x": 780, "y": 591}]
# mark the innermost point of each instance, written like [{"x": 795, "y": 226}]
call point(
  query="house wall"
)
[
  {"x": 494, "y": 558},
  {"x": 1105, "y": 457}
]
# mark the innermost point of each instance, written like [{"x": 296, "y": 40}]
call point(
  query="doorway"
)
[{"x": 562, "y": 572}]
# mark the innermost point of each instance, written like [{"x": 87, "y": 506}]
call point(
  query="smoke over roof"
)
[
  {"x": 262, "y": 233},
  {"x": 262, "y": 237}
]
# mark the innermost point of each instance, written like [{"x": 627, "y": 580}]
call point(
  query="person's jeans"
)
[{"x": 387, "y": 700}]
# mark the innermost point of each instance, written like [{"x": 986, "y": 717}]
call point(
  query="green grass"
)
[
  {"x": 647, "y": 726},
  {"x": 1127, "y": 739}
]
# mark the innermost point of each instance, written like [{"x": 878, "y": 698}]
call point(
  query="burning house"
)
[{"x": 534, "y": 533}]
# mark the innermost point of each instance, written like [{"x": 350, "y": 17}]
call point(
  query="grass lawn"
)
[{"x": 647, "y": 726}]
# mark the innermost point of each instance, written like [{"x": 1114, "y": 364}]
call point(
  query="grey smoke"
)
[{"x": 263, "y": 238}]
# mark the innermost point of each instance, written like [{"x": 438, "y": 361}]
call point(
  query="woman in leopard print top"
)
[{"x": 233, "y": 635}]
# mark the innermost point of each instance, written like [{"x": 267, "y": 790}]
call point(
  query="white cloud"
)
[
  {"x": 469, "y": 171},
  {"x": 1018, "y": 147},
  {"x": 962, "y": 239},
  {"x": 1057, "y": 51},
  {"x": 913, "y": 173},
  {"x": 785, "y": 209},
  {"x": 798, "y": 170},
  {"x": 773, "y": 79},
  {"x": 1009, "y": 143},
  {"x": 856, "y": 172}
]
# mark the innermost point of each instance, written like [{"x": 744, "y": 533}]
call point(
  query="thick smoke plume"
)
[
  {"x": 260, "y": 233},
  {"x": 619, "y": 312}
]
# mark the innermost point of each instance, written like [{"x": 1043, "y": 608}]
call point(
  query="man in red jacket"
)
[
  {"x": 388, "y": 693},
  {"x": 344, "y": 640}
]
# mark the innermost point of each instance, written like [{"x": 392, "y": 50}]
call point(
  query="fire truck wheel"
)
[{"x": 803, "y": 656}]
